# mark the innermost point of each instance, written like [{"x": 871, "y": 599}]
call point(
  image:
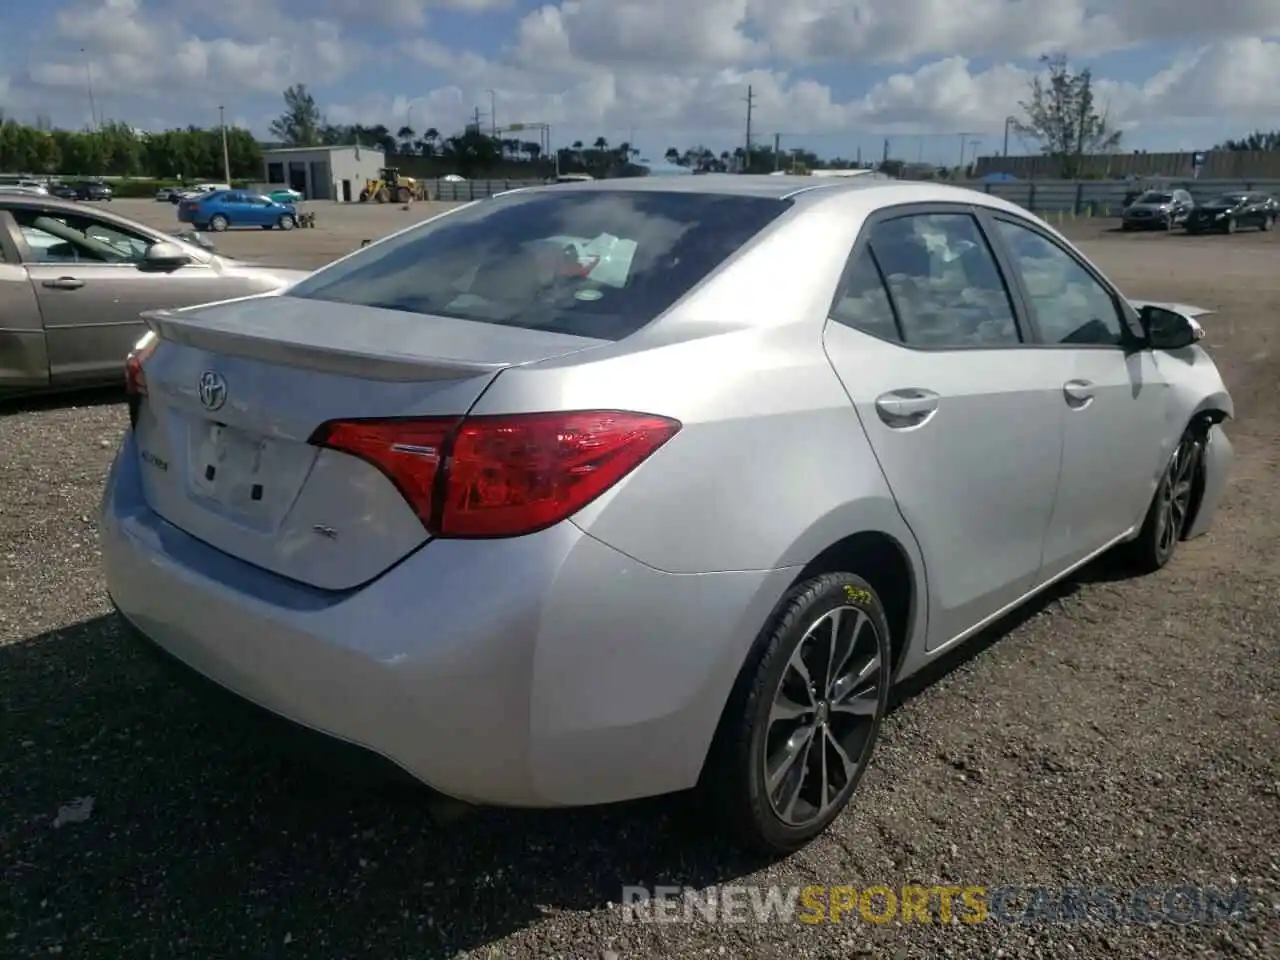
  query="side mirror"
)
[
  {"x": 164, "y": 254},
  {"x": 1168, "y": 330}
]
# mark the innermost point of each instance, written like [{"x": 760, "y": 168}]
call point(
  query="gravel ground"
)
[{"x": 1121, "y": 732}]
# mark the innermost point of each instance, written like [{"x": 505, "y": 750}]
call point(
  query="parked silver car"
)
[
  {"x": 73, "y": 283},
  {"x": 595, "y": 491}
]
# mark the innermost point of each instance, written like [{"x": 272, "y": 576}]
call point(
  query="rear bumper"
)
[
  {"x": 360, "y": 764},
  {"x": 547, "y": 670}
]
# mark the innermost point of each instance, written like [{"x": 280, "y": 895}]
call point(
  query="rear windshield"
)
[
  {"x": 1231, "y": 199},
  {"x": 588, "y": 263}
]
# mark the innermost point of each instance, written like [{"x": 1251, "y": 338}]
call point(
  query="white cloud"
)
[{"x": 662, "y": 66}]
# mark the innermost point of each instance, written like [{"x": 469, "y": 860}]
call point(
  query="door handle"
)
[
  {"x": 907, "y": 408},
  {"x": 1078, "y": 392},
  {"x": 63, "y": 283}
]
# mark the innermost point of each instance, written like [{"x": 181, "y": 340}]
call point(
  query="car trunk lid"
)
[{"x": 236, "y": 390}]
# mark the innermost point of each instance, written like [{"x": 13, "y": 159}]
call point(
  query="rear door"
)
[
  {"x": 960, "y": 411},
  {"x": 91, "y": 283},
  {"x": 1112, "y": 397},
  {"x": 23, "y": 359}
]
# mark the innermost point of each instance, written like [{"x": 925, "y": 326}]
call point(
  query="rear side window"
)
[
  {"x": 596, "y": 264},
  {"x": 943, "y": 281}
]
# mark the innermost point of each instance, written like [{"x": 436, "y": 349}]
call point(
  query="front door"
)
[
  {"x": 1113, "y": 399},
  {"x": 91, "y": 284},
  {"x": 924, "y": 337}
]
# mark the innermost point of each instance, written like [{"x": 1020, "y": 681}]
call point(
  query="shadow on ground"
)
[
  {"x": 207, "y": 840},
  {"x": 59, "y": 400}
]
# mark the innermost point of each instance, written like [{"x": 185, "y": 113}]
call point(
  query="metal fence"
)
[
  {"x": 1104, "y": 198},
  {"x": 454, "y": 190},
  {"x": 1098, "y": 198}
]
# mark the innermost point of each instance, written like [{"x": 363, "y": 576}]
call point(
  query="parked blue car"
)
[{"x": 237, "y": 208}]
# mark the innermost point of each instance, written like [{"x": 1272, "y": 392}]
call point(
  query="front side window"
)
[
  {"x": 596, "y": 264},
  {"x": 1071, "y": 306},
  {"x": 944, "y": 282},
  {"x": 54, "y": 237}
]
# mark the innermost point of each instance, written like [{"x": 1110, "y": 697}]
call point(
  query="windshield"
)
[
  {"x": 1156, "y": 198},
  {"x": 596, "y": 264},
  {"x": 1230, "y": 199}
]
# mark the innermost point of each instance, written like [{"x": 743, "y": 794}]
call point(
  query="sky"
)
[{"x": 835, "y": 76}]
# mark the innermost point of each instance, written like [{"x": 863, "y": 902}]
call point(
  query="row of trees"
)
[
  {"x": 470, "y": 152},
  {"x": 116, "y": 149}
]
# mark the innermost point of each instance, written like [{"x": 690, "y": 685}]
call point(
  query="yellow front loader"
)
[{"x": 389, "y": 186}]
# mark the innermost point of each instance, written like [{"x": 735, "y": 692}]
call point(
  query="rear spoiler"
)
[{"x": 203, "y": 332}]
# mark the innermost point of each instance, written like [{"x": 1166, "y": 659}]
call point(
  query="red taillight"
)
[
  {"x": 502, "y": 476},
  {"x": 409, "y": 452},
  {"x": 135, "y": 381}
]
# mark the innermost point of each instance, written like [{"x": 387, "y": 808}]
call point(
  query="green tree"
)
[
  {"x": 1258, "y": 141},
  {"x": 1061, "y": 115},
  {"x": 300, "y": 124}
]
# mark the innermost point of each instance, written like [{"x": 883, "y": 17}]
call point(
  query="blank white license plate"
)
[{"x": 227, "y": 467}]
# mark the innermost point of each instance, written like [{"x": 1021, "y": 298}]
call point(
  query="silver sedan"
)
[
  {"x": 73, "y": 283},
  {"x": 595, "y": 491}
]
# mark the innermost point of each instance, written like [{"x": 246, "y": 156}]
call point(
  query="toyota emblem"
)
[{"x": 213, "y": 390}]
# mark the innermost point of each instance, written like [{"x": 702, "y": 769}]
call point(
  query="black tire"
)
[
  {"x": 218, "y": 223},
  {"x": 1265, "y": 225},
  {"x": 1171, "y": 506},
  {"x": 286, "y": 222},
  {"x": 734, "y": 788},
  {"x": 403, "y": 195},
  {"x": 1126, "y": 227},
  {"x": 1230, "y": 225}
]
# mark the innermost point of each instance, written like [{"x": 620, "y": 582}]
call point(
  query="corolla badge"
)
[{"x": 213, "y": 390}]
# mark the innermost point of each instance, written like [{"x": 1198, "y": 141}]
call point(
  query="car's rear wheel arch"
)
[{"x": 883, "y": 562}]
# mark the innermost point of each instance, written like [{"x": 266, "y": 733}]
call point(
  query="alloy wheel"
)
[
  {"x": 822, "y": 717},
  {"x": 1175, "y": 494}
]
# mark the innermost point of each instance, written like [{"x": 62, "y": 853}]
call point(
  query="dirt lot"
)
[{"x": 1120, "y": 732}]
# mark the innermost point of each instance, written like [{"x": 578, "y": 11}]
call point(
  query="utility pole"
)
[
  {"x": 975, "y": 144},
  {"x": 477, "y": 119},
  {"x": 963, "y": 146},
  {"x": 777, "y": 151},
  {"x": 1007, "y": 122},
  {"x": 493, "y": 113},
  {"x": 885, "y": 158},
  {"x": 88, "y": 77},
  {"x": 746, "y": 155},
  {"x": 226, "y": 156}
]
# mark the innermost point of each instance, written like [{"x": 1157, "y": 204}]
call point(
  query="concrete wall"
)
[{"x": 1218, "y": 165}]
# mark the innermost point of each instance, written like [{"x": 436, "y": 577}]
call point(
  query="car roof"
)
[{"x": 802, "y": 190}]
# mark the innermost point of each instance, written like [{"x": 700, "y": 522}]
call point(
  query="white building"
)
[{"x": 323, "y": 173}]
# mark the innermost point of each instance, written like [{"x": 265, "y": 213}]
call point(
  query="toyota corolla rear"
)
[{"x": 331, "y": 502}]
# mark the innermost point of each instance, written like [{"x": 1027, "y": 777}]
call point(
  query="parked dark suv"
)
[
  {"x": 1158, "y": 209},
  {"x": 89, "y": 190},
  {"x": 1231, "y": 211}
]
